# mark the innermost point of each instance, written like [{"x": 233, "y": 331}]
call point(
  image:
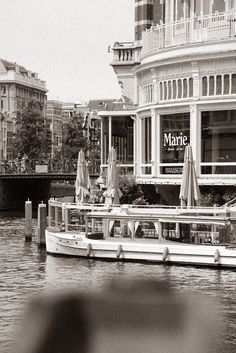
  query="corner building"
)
[{"x": 182, "y": 71}]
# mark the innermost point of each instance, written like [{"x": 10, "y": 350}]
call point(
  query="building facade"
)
[
  {"x": 17, "y": 86},
  {"x": 180, "y": 71},
  {"x": 55, "y": 123}
]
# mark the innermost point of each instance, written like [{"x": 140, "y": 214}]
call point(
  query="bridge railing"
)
[{"x": 49, "y": 166}]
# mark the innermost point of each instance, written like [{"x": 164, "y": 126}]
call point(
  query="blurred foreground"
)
[{"x": 130, "y": 315}]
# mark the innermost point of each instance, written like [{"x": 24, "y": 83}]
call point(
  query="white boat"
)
[{"x": 172, "y": 235}]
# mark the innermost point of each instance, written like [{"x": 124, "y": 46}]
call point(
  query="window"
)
[
  {"x": 9, "y": 126},
  {"x": 161, "y": 92},
  {"x": 174, "y": 136},
  {"x": 146, "y": 128},
  {"x": 218, "y": 84},
  {"x": 218, "y": 135},
  {"x": 122, "y": 138},
  {"x": 211, "y": 85},
  {"x": 233, "y": 84},
  {"x": 3, "y": 90},
  {"x": 169, "y": 90},
  {"x": 232, "y": 4},
  {"x": 185, "y": 88},
  {"x": 165, "y": 90},
  {"x": 218, "y": 5},
  {"x": 226, "y": 84},
  {"x": 178, "y": 9},
  {"x": 179, "y": 88},
  {"x": 191, "y": 87},
  {"x": 174, "y": 89},
  {"x": 202, "y": 7},
  {"x": 204, "y": 86}
]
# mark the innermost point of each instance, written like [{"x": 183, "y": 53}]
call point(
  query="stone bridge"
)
[{"x": 21, "y": 180}]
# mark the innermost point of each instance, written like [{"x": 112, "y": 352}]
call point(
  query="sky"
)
[{"x": 66, "y": 42}]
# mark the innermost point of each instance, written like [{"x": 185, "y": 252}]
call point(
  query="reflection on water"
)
[{"x": 27, "y": 271}]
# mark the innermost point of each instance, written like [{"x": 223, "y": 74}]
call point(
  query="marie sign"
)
[{"x": 171, "y": 140}]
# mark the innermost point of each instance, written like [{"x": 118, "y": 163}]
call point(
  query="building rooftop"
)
[
  {"x": 11, "y": 71},
  {"x": 122, "y": 103}
]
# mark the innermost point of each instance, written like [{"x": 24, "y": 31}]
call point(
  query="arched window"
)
[
  {"x": 185, "y": 88},
  {"x": 211, "y": 85},
  {"x": 204, "y": 86},
  {"x": 174, "y": 89},
  {"x": 169, "y": 90},
  {"x": 179, "y": 88},
  {"x": 233, "y": 84},
  {"x": 190, "y": 87},
  {"x": 226, "y": 84},
  {"x": 161, "y": 90},
  {"x": 218, "y": 84},
  {"x": 165, "y": 90}
]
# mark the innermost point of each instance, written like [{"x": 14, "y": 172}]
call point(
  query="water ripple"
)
[{"x": 27, "y": 271}]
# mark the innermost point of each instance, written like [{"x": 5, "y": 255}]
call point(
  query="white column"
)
[
  {"x": 136, "y": 90},
  {"x": 157, "y": 141},
  {"x": 196, "y": 80},
  {"x": 102, "y": 140},
  {"x": 191, "y": 8},
  {"x": 195, "y": 135},
  {"x": 154, "y": 141},
  {"x": 138, "y": 146},
  {"x": 135, "y": 144},
  {"x": 110, "y": 132}
]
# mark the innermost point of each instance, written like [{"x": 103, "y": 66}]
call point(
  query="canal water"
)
[{"x": 26, "y": 271}]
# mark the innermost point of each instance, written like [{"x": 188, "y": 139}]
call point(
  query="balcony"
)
[
  {"x": 125, "y": 53},
  {"x": 215, "y": 27}
]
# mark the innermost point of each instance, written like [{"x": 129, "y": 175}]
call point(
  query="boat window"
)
[
  {"x": 95, "y": 225},
  {"x": 146, "y": 230},
  {"x": 119, "y": 228},
  {"x": 195, "y": 233},
  {"x": 52, "y": 216},
  {"x": 170, "y": 231}
]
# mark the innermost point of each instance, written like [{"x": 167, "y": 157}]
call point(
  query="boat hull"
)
[{"x": 69, "y": 244}]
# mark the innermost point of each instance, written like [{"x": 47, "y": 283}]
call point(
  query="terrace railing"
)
[{"x": 218, "y": 26}]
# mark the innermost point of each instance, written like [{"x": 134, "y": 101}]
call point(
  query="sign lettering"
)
[{"x": 171, "y": 140}]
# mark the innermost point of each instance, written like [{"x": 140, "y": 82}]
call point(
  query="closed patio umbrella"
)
[
  {"x": 82, "y": 183},
  {"x": 189, "y": 190},
  {"x": 113, "y": 193}
]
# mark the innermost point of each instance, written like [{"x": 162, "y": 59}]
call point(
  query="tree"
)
[
  {"x": 32, "y": 137},
  {"x": 74, "y": 138}
]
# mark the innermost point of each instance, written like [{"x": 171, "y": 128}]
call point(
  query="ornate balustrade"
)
[
  {"x": 218, "y": 26},
  {"x": 50, "y": 166},
  {"x": 125, "y": 52}
]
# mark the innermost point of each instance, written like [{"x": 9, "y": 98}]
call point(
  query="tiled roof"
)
[{"x": 111, "y": 104}]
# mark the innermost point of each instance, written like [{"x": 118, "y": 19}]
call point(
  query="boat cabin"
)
[{"x": 186, "y": 225}]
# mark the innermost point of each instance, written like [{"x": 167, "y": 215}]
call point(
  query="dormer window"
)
[{"x": 3, "y": 90}]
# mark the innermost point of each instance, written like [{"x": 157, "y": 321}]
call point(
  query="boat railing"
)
[
  {"x": 231, "y": 203},
  {"x": 78, "y": 218}
]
